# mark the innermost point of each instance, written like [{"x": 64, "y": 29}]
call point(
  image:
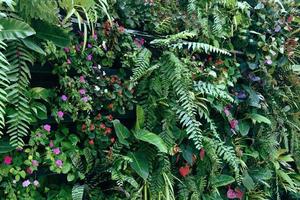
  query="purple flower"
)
[
  {"x": 277, "y": 28},
  {"x": 241, "y": 95},
  {"x": 59, "y": 163},
  {"x": 234, "y": 123},
  {"x": 56, "y": 151},
  {"x": 64, "y": 98},
  {"x": 85, "y": 99},
  {"x": 36, "y": 183},
  {"x": 51, "y": 144},
  {"x": 69, "y": 61},
  {"x": 82, "y": 91},
  {"x": 89, "y": 45},
  {"x": 269, "y": 62},
  {"x": 67, "y": 49},
  {"x": 35, "y": 163},
  {"x": 26, "y": 183},
  {"x": 254, "y": 78},
  {"x": 81, "y": 79},
  {"x": 226, "y": 111},
  {"x": 47, "y": 127},
  {"x": 89, "y": 57},
  {"x": 77, "y": 47},
  {"x": 95, "y": 36},
  {"x": 60, "y": 114}
]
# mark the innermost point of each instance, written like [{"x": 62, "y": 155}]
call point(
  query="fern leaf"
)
[{"x": 77, "y": 192}]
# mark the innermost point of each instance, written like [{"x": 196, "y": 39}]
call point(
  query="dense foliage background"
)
[{"x": 149, "y": 99}]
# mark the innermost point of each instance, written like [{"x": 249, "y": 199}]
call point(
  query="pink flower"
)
[
  {"x": 59, "y": 163},
  {"x": 89, "y": 45},
  {"x": 64, "y": 98},
  {"x": 234, "y": 123},
  {"x": 269, "y": 62},
  {"x": 231, "y": 194},
  {"x": 239, "y": 193},
  {"x": 7, "y": 160},
  {"x": 26, "y": 183},
  {"x": 35, "y": 163},
  {"x": 81, "y": 79},
  {"x": 89, "y": 57},
  {"x": 226, "y": 111},
  {"x": 67, "y": 49},
  {"x": 95, "y": 36},
  {"x": 29, "y": 170},
  {"x": 85, "y": 99},
  {"x": 139, "y": 42},
  {"x": 47, "y": 127},
  {"x": 69, "y": 61},
  {"x": 51, "y": 145},
  {"x": 82, "y": 91},
  {"x": 56, "y": 151},
  {"x": 60, "y": 114},
  {"x": 202, "y": 153}
]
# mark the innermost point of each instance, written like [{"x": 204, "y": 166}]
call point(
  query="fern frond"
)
[
  {"x": 142, "y": 65},
  {"x": 174, "y": 71},
  {"x": 174, "y": 38},
  {"x": 213, "y": 90},
  {"x": 3, "y": 85},
  {"x": 198, "y": 46},
  {"x": 77, "y": 192},
  {"x": 19, "y": 75}
]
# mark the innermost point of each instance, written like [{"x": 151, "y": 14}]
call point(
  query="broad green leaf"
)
[
  {"x": 248, "y": 182},
  {"x": 259, "y": 118},
  {"x": 140, "y": 118},
  {"x": 14, "y": 29},
  {"x": 151, "y": 138},
  {"x": 33, "y": 46},
  {"x": 140, "y": 164},
  {"x": 122, "y": 132},
  {"x": 222, "y": 180},
  {"x": 244, "y": 127},
  {"x": 52, "y": 33}
]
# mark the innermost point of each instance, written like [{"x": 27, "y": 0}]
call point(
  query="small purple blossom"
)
[
  {"x": 36, "y": 183},
  {"x": 35, "y": 163},
  {"x": 277, "y": 28},
  {"x": 64, "y": 98},
  {"x": 69, "y": 61},
  {"x": 269, "y": 62},
  {"x": 77, "y": 48},
  {"x": 234, "y": 123},
  {"x": 95, "y": 36},
  {"x": 26, "y": 183},
  {"x": 56, "y": 151},
  {"x": 89, "y": 57},
  {"x": 85, "y": 99},
  {"x": 51, "y": 144},
  {"x": 47, "y": 127},
  {"x": 60, "y": 114},
  {"x": 89, "y": 45},
  {"x": 82, "y": 91},
  {"x": 59, "y": 163},
  {"x": 254, "y": 78},
  {"x": 67, "y": 49},
  {"x": 226, "y": 111},
  {"x": 81, "y": 79},
  {"x": 241, "y": 95}
]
